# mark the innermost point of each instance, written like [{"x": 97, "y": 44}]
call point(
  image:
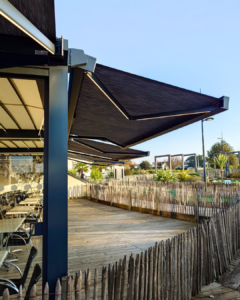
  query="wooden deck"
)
[
  {"x": 100, "y": 234},
  {"x": 217, "y": 291},
  {"x": 229, "y": 286}
]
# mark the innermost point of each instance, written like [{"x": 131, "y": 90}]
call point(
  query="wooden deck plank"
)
[{"x": 100, "y": 234}]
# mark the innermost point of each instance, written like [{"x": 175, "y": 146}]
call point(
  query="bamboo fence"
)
[{"x": 182, "y": 199}]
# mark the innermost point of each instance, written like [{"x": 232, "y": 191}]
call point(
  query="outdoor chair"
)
[
  {"x": 34, "y": 217},
  {"x": 4, "y": 200},
  {"x": 2, "y": 212},
  {"x": 19, "y": 197},
  {"x": 14, "y": 284},
  {"x": 19, "y": 238},
  {"x": 11, "y": 203}
]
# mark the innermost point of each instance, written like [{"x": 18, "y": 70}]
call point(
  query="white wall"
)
[
  {"x": 118, "y": 172},
  {"x": 76, "y": 188}
]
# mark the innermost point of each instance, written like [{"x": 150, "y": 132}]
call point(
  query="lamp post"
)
[
  {"x": 221, "y": 138},
  {"x": 203, "y": 147},
  {"x": 223, "y": 152}
]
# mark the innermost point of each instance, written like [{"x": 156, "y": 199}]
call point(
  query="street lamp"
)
[
  {"x": 221, "y": 138},
  {"x": 203, "y": 147}
]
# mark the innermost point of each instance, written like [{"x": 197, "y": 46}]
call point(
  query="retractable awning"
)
[
  {"x": 127, "y": 109},
  {"x": 93, "y": 149}
]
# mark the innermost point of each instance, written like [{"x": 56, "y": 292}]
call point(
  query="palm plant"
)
[
  {"x": 81, "y": 167},
  {"x": 98, "y": 167},
  {"x": 183, "y": 176},
  {"x": 221, "y": 161}
]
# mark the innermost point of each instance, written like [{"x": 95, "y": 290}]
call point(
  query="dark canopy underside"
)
[
  {"x": 102, "y": 150},
  {"x": 96, "y": 115}
]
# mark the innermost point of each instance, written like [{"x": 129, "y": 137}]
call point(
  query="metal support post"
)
[
  {"x": 195, "y": 160},
  {"x": 170, "y": 162},
  {"x": 182, "y": 162},
  {"x": 55, "y": 220},
  {"x": 204, "y": 163}
]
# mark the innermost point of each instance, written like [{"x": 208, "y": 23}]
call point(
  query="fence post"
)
[
  {"x": 130, "y": 200},
  {"x": 46, "y": 292},
  {"x": 5, "y": 295},
  {"x": 196, "y": 210},
  {"x": 111, "y": 196},
  {"x": 158, "y": 201}
]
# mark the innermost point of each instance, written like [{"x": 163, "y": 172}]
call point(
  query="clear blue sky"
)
[{"x": 190, "y": 44}]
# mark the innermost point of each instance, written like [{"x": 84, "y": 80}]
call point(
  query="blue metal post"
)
[
  {"x": 204, "y": 163},
  {"x": 55, "y": 219}
]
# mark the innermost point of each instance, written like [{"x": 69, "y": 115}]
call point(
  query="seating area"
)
[{"x": 18, "y": 209}]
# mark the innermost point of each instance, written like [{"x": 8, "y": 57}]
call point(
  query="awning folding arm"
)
[{"x": 108, "y": 152}]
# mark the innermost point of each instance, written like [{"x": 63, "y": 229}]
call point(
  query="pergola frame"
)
[{"x": 169, "y": 160}]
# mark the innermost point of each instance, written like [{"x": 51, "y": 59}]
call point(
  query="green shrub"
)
[
  {"x": 195, "y": 179},
  {"x": 194, "y": 174},
  {"x": 73, "y": 171},
  {"x": 235, "y": 175},
  {"x": 151, "y": 171},
  {"x": 183, "y": 176},
  {"x": 96, "y": 174},
  {"x": 110, "y": 175},
  {"x": 142, "y": 172},
  {"x": 165, "y": 176}
]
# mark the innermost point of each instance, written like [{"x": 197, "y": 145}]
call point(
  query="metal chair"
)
[
  {"x": 14, "y": 284},
  {"x": 19, "y": 238}
]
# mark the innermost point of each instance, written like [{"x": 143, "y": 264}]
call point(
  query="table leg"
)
[{"x": 1, "y": 237}]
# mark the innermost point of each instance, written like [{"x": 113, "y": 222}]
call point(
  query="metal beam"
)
[
  {"x": 8, "y": 11},
  {"x": 14, "y": 134},
  {"x": 223, "y": 106},
  {"x": 20, "y": 150},
  {"x": 97, "y": 160},
  {"x": 17, "y": 92},
  {"x": 108, "y": 94},
  {"x": 91, "y": 156},
  {"x": 75, "y": 85},
  {"x": 55, "y": 225},
  {"x": 74, "y": 136},
  {"x": 4, "y": 145},
  {"x": 177, "y": 113},
  {"x": 96, "y": 164},
  {"x": 109, "y": 152},
  {"x": 9, "y": 114}
]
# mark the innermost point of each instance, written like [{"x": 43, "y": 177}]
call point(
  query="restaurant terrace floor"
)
[{"x": 100, "y": 234}]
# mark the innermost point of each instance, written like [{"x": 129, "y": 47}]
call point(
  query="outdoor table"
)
[
  {"x": 33, "y": 198},
  {"x": 29, "y": 202},
  {"x": 20, "y": 210},
  {"x": 3, "y": 255},
  {"x": 8, "y": 226}
]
